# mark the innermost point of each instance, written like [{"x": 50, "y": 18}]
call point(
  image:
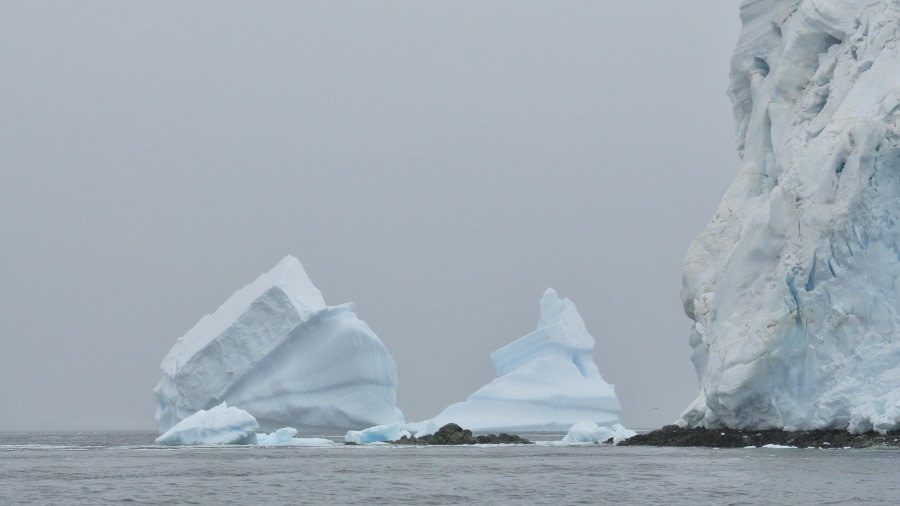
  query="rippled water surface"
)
[{"x": 109, "y": 467}]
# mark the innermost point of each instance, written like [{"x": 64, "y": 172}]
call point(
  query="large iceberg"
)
[
  {"x": 794, "y": 286},
  {"x": 276, "y": 350},
  {"x": 546, "y": 381},
  {"x": 220, "y": 425}
]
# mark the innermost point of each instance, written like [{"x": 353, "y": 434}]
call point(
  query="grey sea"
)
[{"x": 126, "y": 467}]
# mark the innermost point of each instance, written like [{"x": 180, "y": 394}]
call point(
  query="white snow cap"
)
[
  {"x": 793, "y": 286},
  {"x": 275, "y": 349},
  {"x": 546, "y": 380}
]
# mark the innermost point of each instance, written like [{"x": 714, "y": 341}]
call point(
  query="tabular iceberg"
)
[
  {"x": 276, "y": 350},
  {"x": 794, "y": 286},
  {"x": 546, "y": 380},
  {"x": 221, "y": 425}
]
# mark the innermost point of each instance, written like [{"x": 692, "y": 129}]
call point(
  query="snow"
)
[
  {"x": 275, "y": 349},
  {"x": 220, "y": 425},
  {"x": 546, "y": 381},
  {"x": 794, "y": 286},
  {"x": 377, "y": 434},
  {"x": 590, "y": 432},
  {"x": 285, "y": 437}
]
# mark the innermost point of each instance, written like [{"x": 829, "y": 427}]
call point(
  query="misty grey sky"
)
[{"x": 438, "y": 163}]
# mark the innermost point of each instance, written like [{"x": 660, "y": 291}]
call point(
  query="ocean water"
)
[{"x": 126, "y": 467}]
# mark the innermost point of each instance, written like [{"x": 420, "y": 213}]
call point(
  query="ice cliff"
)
[
  {"x": 277, "y": 351},
  {"x": 794, "y": 285},
  {"x": 546, "y": 380}
]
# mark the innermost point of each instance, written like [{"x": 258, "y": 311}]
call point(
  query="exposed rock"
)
[
  {"x": 453, "y": 434},
  {"x": 673, "y": 435}
]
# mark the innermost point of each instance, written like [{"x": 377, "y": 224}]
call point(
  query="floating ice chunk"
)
[
  {"x": 275, "y": 349},
  {"x": 220, "y": 425},
  {"x": 285, "y": 437},
  {"x": 308, "y": 441},
  {"x": 279, "y": 437},
  {"x": 377, "y": 434},
  {"x": 590, "y": 432},
  {"x": 546, "y": 380}
]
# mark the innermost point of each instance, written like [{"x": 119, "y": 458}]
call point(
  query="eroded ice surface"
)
[
  {"x": 546, "y": 380},
  {"x": 276, "y": 350},
  {"x": 220, "y": 425},
  {"x": 794, "y": 286},
  {"x": 590, "y": 432}
]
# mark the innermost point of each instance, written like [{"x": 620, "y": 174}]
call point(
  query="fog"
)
[{"x": 438, "y": 163}]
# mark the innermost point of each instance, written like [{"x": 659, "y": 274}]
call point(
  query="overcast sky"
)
[{"x": 438, "y": 163}]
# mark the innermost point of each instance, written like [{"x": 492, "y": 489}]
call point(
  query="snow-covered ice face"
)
[
  {"x": 793, "y": 286},
  {"x": 276, "y": 350}
]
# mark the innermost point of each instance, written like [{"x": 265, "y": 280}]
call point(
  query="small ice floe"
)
[
  {"x": 376, "y": 434},
  {"x": 285, "y": 437},
  {"x": 590, "y": 433},
  {"x": 221, "y": 425}
]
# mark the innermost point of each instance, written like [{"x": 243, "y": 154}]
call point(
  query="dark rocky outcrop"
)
[
  {"x": 673, "y": 435},
  {"x": 452, "y": 434}
]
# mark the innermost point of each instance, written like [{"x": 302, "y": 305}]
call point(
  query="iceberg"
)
[
  {"x": 278, "y": 351},
  {"x": 221, "y": 425},
  {"x": 546, "y": 381},
  {"x": 285, "y": 437},
  {"x": 590, "y": 432},
  {"x": 377, "y": 434},
  {"x": 794, "y": 286}
]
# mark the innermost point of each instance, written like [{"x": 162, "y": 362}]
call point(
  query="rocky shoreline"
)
[
  {"x": 453, "y": 434},
  {"x": 673, "y": 435}
]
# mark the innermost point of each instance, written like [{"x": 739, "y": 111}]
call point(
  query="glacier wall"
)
[
  {"x": 276, "y": 350},
  {"x": 794, "y": 285}
]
